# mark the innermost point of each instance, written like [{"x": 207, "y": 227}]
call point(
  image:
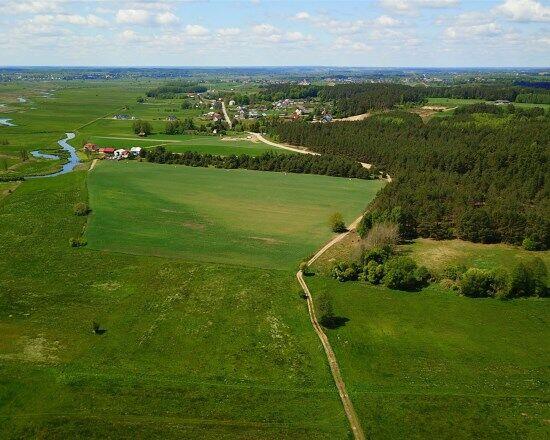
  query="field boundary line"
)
[
  {"x": 97, "y": 119},
  {"x": 331, "y": 357}
]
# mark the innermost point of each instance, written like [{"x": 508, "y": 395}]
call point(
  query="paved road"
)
[{"x": 354, "y": 422}]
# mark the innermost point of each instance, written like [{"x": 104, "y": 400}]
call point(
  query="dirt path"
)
[
  {"x": 333, "y": 363},
  {"x": 226, "y": 116},
  {"x": 92, "y": 166},
  {"x": 258, "y": 136},
  {"x": 360, "y": 117}
]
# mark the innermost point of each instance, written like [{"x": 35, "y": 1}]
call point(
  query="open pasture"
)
[
  {"x": 190, "y": 350},
  {"x": 250, "y": 218},
  {"x": 432, "y": 364}
]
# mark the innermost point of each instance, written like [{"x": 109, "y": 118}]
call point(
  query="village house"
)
[
  {"x": 90, "y": 147},
  {"x": 135, "y": 151},
  {"x": 107, "y": 150}
]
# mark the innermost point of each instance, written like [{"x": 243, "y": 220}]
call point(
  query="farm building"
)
[
  {"x": 107, "y": 150},
  {"x": 90, "y": 147},
  {"x": 121, "y": 154},
  {"x": 135, "y": 151}
]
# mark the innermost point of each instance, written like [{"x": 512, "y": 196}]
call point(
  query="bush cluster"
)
[
  {"x": 81, "y": 209},
  {"x": 526, "y": 279},
  {"x": 379, "y": 266}
]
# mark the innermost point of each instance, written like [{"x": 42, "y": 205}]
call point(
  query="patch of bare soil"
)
[
  {"x": 195, "y": 226},
  {"x": 360, "y": 117}
]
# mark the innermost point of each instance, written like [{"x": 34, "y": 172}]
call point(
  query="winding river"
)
[{"x": 69, "y": 166}]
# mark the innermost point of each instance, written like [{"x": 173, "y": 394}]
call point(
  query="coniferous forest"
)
[{"x": 476, "y": 176}]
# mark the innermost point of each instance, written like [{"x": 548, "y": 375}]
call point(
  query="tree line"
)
[
  {"x": 329, "y": 165},
  {"x": 175, "y": 89},
  {"x": 453, "y": 177}
]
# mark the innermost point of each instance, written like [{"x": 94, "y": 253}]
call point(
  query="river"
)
[{"x": 69, "y": 166}]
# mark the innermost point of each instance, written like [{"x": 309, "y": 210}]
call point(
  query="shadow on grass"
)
[{"x": 334, "y": 322}]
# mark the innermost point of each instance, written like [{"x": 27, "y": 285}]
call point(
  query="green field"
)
[
  {"x": 223, "y": 146},
  {"x": 192, "y": 350},
  {"x": 244, "y": 217},
  {"x": 436, "y": 365}
]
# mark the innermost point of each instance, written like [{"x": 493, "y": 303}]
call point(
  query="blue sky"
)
[{"x": 438, "y": 33}]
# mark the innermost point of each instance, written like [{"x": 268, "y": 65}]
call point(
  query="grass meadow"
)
[
  {"x": 249, "y": 218},
  {"x": 433, "y": 364},
  {"x": 191, "y": 349}
]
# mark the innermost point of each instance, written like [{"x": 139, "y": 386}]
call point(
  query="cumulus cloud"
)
[
  {"x": 166, "y": 18},
  {"x": 411, "y": 6},
  {"x": 385, "y": 20},
  {"x": 476, "y": 30},
  {"x": 229, "y": 32},
  {"x": 30, "y": 7},
  {"x": 264, "y": 29},
  {"x": 132, "y": 16},
  {"x": 302, "y": 16},
  {"x": 524, "y": 10},
  {"x": 195, "y": 30}
]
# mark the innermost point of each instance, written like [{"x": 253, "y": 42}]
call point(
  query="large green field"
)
[
  {"x": 244, "y": 217},
  {"x": 435, "y": 365},
  {"x": 191, "y": 350}
]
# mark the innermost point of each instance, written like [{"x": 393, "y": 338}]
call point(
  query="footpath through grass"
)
[
  {"x": 191, "y": 350},
  {"x": 249, "y": 218}
]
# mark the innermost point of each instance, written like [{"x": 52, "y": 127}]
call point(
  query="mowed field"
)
[
  {"x": 242, "y": 217},
  {"x": 432, "y": 364},
  {"x": 191, "y": 350}
]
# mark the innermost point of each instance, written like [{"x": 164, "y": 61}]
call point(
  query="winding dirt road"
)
[
  {"x": 354, "y": 422},
  {"x": 301, "y": 150}
]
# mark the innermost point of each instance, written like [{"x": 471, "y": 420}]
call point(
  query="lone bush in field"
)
[
  {"x": 144, "y": 127},
  {"x": 81, "y": 209},
  {"x": 325, "y": 310},
  {"x": 77, "y": 242},
  {"x": 336, "y": 222}
]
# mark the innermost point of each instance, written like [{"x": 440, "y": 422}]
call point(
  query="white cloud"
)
[
  {"x": 302, "y": 16},
  {"x": 132, "y": 16},
  {"x": 166, "y": 18},
  {"x": 264, "y": 29},
  {"x": 30, "y": 7},
  {"x": 476, "y": 30},
  {"x": 229, "y": 32},
  {"x": 81, "y": 20},
  {"x": 411, "y": 6},
  {"x": 524, "y": 10},
  {"x": 195, "y": 30},
  {"x": 385, "y": 20}
]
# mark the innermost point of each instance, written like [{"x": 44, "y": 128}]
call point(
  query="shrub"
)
[
  {"x": 81, "y": 208},
  {"x": 375, "y": 272},
  {"x": 336, "y": 222},
  {"x": 77, "y": 242},
  {"x": 378, "y": 254},
  {"x": 325, "y": 310},
  {"x": 144, "y": 127},
  {"x": 304, "y": 267},
  {"x": 528, "y": 279},
  {"x": 477, "y": 283},
  {"x": 382, "y": 235},
  {"x": 344, "y": 271},
  {"x": 453, "y": 272},
  {"x": 402, "y": 274}
]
